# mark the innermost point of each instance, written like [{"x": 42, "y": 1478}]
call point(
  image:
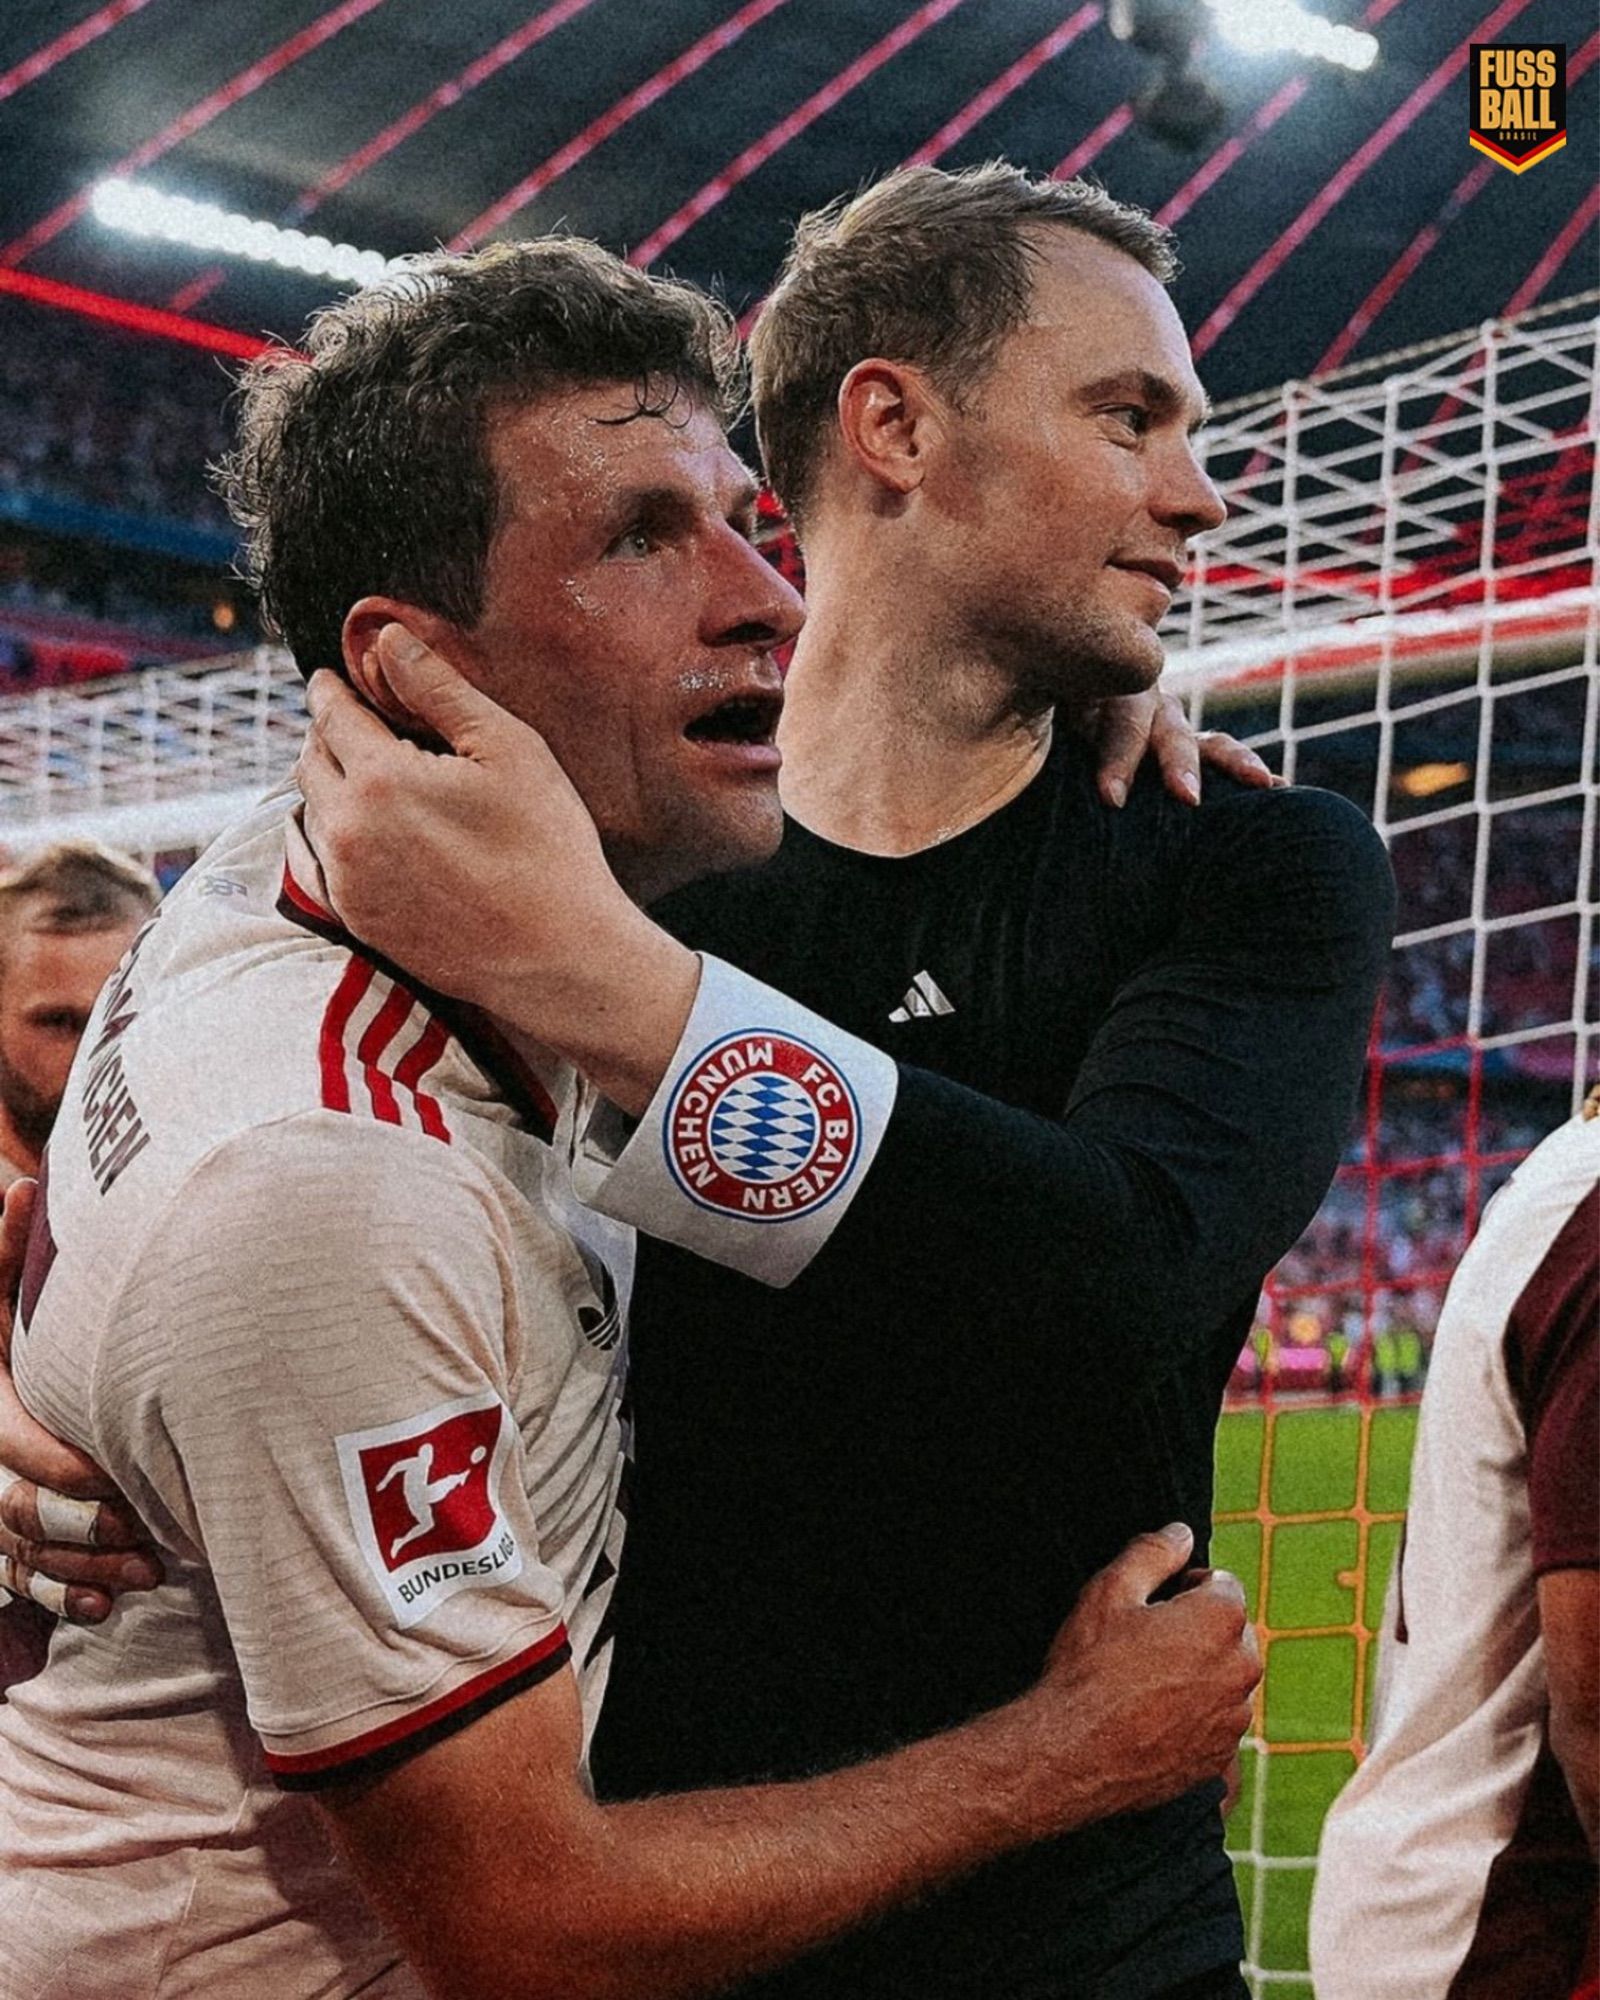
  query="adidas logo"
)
[{"x": 923, "y": 998}]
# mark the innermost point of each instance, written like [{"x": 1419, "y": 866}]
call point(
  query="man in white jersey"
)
[
  {"x": 311, "y": 1282},
  {"x": 1460, "y": 1859}
]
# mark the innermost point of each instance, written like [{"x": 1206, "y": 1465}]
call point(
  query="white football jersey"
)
[
  {"x": 311, "y": 1283},
  {"x": 1438, "y": 1874}
]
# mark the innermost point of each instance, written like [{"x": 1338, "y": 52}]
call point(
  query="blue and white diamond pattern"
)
[{"x": 764, "y": 1128}]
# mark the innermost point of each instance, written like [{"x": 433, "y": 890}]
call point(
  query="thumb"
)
[
  {"x": 429, "y": 688},
  {"x": 1148, "y": 1562},
  {"x": 18, "y": 1214}
]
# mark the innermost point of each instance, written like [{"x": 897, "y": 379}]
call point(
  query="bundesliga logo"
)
[
  {"x": 762, "y": 1126},
  {"x": 423, "y": 1498},
  {"x": 1519, "y": 102}
]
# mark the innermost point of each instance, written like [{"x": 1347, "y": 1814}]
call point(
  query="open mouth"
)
[{"x": 747, "y": 718}]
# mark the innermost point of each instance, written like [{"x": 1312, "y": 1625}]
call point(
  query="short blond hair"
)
[
  {"x": 76, "y": 885},
  {"x": 923, "y": 266}
]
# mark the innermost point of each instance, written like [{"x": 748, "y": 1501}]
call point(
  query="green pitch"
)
[{"x": 1308, "y": 1516}]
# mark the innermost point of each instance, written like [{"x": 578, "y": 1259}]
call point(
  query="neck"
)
[{"x": 896, "y": 733}]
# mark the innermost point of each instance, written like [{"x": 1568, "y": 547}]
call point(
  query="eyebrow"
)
[
  {"x": 1162, "y": 395},
  {"x": 666, "y": 503}
]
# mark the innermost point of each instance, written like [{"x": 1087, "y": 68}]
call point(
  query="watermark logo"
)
[{"x": 1518, "y": 111}]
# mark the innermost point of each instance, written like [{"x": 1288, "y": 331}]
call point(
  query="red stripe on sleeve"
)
[
  {"x": 423, "y": 1053},
  {"x": 380, "y": 1032},
  {"x": 335, "y": 1020},
  {"x": 354, "y": 1749}
]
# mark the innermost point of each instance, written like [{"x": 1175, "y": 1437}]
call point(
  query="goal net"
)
[{"x": 1403, "y": 606}]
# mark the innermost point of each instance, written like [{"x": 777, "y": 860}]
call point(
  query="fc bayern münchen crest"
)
[{"x": 763, "y": 1126}]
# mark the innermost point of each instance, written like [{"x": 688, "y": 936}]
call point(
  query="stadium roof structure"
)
[{"x": 1330, "y": 216}]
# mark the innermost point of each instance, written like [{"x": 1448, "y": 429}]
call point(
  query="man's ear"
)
[
  {"x": 363, "y": 665},
  {"x": 891, "y": 419}
]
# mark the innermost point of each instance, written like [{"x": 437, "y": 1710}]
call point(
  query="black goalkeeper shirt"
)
[{"x": 864, "y": 1505}]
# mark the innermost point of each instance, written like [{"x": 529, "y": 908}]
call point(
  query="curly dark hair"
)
[
  {"x": 924, "y": 266},
  {"x": 362, "y": 464}
]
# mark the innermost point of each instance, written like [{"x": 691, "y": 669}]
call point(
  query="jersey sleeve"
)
[
  {"x": 314, "y": 1388},
  {"x": 1203, "y": 1128},
  {"x": 1553, "y": 1359},
  {"x": 1207, "y": 1118},
  {"x": 756, "y": 1141}
]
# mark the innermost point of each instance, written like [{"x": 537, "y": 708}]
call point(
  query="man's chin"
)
[{"x": 744, "y": 839}]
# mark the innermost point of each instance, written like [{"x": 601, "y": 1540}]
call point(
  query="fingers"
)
[
  {"x": 34, "y": 1515},
  {"x": 427, "y": 686},
  {"x": 343, "y": 727},
  {"x": 27, "y": 1447},
  {"x": 1173, "y": 742},
  {"x": 1147, "y": 1563},
  {"x": 1122, "y": 737},
  {"x": 73, "y": 1558},
  {"x": 81, "y": 1606},
  {"x": 1222, "y": 752},
  {"x": 1232, "y": 1783}
]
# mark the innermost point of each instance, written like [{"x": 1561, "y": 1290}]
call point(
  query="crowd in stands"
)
[
  {"x": 1355, "y": 1303},
  {"x": 108, "y": 419},
  {"x": 114, "y": 550}
]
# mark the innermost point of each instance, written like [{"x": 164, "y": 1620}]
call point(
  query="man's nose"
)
[
  {"x": 1187, "y": 499},
  {"x": 757, "y": 605}
]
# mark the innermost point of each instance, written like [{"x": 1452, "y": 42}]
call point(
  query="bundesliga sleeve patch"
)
[
  {"x": 761, "y": 1125},
  {"x": 424, "y": 1501}
]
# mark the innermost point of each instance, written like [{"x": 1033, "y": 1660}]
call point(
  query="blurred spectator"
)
[
  {"x": 66, "y": 917},
  {"x": 109, "y": 419},
  {"x": 1459, "y": 1862}
]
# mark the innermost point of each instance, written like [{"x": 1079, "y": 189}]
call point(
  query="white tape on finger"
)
[
  {"x": 64, "y": 1520},
  {"x": 52, "y": 1596}
]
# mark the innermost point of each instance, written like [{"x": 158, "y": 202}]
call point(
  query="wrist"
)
[{"x": 616, "y": 1011}]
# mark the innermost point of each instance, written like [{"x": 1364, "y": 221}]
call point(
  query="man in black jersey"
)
[
  {"x": 1129, "y": 1043},
  {"x": 1136, "y": 1037}
]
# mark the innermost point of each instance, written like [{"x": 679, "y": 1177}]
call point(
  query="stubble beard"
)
[
  {"x": 32, "y": 1114},
  {"x": 1076, "y": 657}
]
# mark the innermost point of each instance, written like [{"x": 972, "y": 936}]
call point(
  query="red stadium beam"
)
[
  {"x": 1111, "y": 127},
  {"x": 976, "y": 109},
  {"x": 1328, "y": 197},
  {"x": 507, "y": 50},
  {"x": 994, "y": 94},
  {"x": 598, "y": 130},
  {"x": 1466, "y": 191},
  {"x": 42, "y": 61},
  {"x": 353, "y": 165},
  {"x": 820, "y": 101},
  {"x": 151, "y": 320},
  {"x": 1581, "y": 220},
  {"x": 323, "y": 29}
]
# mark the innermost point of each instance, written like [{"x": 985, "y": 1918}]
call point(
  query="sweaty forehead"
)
[{"x": 581, "y": 446}]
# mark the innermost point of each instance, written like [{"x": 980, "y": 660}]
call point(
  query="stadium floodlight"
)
[
  {"x": 1271, "y": 27},
  {"x": 138, "y": 210}
]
